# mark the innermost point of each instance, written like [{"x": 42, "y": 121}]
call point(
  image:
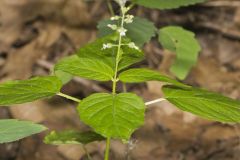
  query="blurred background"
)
[{"x": 34, "y": 34}]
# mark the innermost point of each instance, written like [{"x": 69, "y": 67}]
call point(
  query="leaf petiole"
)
[
  {"x": 69, "y": 97},
  {"x": 155, "y": 101}
]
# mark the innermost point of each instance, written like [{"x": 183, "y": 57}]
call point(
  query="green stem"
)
[
  {"x": 115, "y": 79},
  {"x": 107, "y": 150},
  {"x": 118, "y": 57},
  {"x": 110, "y": 7},
  {"x": 114, "y": 86},
  {"x": 69, "y": 97}
]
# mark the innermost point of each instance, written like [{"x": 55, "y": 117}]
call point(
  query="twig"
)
[{"x": 227, "y": 32}]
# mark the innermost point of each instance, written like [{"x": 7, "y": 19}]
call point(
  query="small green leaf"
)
[
  {"x": 72, "y": 137},
  {"x": 203, "y": 103},
  {"x": 142, "y": 75},
  {"x": 184, "y": 44},
  {"x": 108, "y": 56},
  {"x": 88, "y": 68},
  {"x": 166, "y": 4},
  {"x": 16, "y": 92},
  {"x": 13, "y": 130},
  {"x": 140, "y": 31},
  {"x": 115, "y": 116}
]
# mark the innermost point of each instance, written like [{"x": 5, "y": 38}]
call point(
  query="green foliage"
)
[
  {"x": 63, "y": 76},
  {"x": 94, "y": 51},
  {"x": 140, "y": 31},
  {"x": 88, "y": 68},
  {"x": 142, "y": 75},
  {"x": 115, "y": 116},
  {"x": 72, "y": 137},
  {"x": 16, "y": 92},
  {"x": 203, "y": 103},
  {"x": 184, "y": 44},
  {"x": 166, "y": 4},
  {"x": 12, "y": 130},
  {"x": 118, "y": 115}
]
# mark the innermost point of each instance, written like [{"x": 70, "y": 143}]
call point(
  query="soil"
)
[{"x": 36, "y": 34}]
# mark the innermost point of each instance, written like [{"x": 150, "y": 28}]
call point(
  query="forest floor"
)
[{"x": 36, "y": 34}]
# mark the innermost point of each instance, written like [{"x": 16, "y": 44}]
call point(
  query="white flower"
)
[
  {"x": 112, "y": 26},
  {"x": 129, "y": 19},
  {"x": 125, "y": 9},
  {"x": 115, "y": 18},
  {"x": 133, "y": 45},
  {"x": 122, "y": 31},
  {"x": 106, "y": 46}
]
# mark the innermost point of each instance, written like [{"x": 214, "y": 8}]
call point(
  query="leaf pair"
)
[
  {"x": 119, "y": 115},
  {"x": 92, "y": 62}
]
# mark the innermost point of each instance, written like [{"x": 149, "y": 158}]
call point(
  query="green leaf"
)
[
  {"x": 13, "y": 130},
  {"x": 72, "y": 137},
  {"x": 115, "y": 116},
  {"x": 140, "y": 31},
  {"x": 203, "y": 103},
  {"x": 63, "y": 76},
  {"x": 166, "y": 4},
  {"x": 108, "y": 56},
  {"x": 16, "y": 92},
  {"x": 142, "y": 75},
  {"x": 184, "y": 44},
  {"x": 88, "y": 68}
]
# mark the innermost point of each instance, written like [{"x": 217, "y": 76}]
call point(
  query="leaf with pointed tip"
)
[
  {"x": 72, "y": 137},
  {"x": 88, "y": 68},
  {"x": 108, "y": 56},
  {"x": 13, "y": 130},
  {"x": 16, "y": 92},
  {"x": 203, "y": 103},
  {"x": 184, "y": 44},
  {"x": 139, "y": 31},
  {"x": 142, "y": 75},
  {"x": 115, "y": 116},
  {"x": 166, "y": 4}
]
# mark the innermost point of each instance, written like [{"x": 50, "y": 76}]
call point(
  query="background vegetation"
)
[{"x": 36, "y": 34}]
